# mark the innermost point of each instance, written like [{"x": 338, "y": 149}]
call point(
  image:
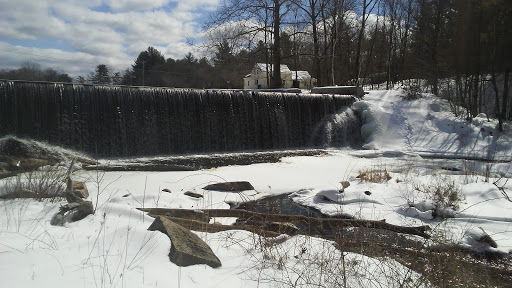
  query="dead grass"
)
[
  {"x": 449, "y": 266},
  {"x": 374, "y": 175},
  {"x": 44, "y": 183}
]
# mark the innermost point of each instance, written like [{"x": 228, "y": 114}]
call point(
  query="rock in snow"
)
[
  {"x": 187, "y": 248},
  {"x": 238, "y": 186}
]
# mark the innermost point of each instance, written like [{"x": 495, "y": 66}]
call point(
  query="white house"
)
[
  {"x": 305, "y": 80},
  {"x": 260, "y": 77}
]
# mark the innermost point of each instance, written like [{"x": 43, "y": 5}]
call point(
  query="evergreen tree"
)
[
  {"x": 145, "y": 66},
  {"x": 223, "y": 55},
  {"x": 80, "y": 80},
  {"x": 225, "y": 66},
  {"x": 127, "y": 78},
  {"x": 116, "y": 78},
  {"x": 101, "y": 75}
]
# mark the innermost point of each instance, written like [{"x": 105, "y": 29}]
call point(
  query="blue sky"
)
[{"x": 74, "y": 36}]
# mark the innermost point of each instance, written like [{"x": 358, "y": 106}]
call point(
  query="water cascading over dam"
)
[{"x": 114, "y": 121}]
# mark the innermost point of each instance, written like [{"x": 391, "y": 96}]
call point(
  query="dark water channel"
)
[{"x": 283, "y": 204}]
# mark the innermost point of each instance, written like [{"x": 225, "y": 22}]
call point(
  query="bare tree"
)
[
  {"x": 261, "y": 16},
  {"x": 312, "y": 10},
  {"x": 367, "y": 6}
]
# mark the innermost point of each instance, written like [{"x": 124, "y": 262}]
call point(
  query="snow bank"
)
[{"x": 371, "y": 128}]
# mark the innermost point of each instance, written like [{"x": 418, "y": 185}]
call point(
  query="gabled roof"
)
[
  {"x": 301, "y": 75},
  {"x": 263, "y": 67}
]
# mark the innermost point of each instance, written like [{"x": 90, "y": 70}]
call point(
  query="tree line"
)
[
  {"x": 34, "y": 72},
  {"x": 151, "y": 68},
  {"x": 461, "y": 48}
]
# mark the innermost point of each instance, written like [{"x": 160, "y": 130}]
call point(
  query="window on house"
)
[
  {"x": 284, "y": 82},
  {"x": 248, "y": 83},
  {"x": 257, "y": 82}
]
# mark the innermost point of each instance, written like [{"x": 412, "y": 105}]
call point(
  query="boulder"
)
[
  {"x": 80, "y": 189},
  {"x": 187, "y": 248},
  {"x": 72, "y": 212},
  {"x": 25, "y": 149},
  {"x": 4, "y": 167},
  {"x": 16, "y": 164},
  {"x": 237, "y": 186},
  {"x": 83, "y": 210},
  {"x": 344, "y": 184},
  {"x": 487, "y": 239},
  {"x": 193, "y": 194},
  {"x": 23, "y": 155}
]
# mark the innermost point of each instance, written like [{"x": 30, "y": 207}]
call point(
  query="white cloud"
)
[
  {"x": 130, "y": 5},
  {"x": 28, "y": 20},
  {"x": 111, "y": 32},
  {"x": 73, "y": 63},
  {"x": 179, "y": 50},
  {"x": 239, "y": 34},
  {"x": 194, "y": 4}
]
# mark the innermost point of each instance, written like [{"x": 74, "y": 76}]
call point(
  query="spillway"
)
[{"x": 121, "y": 121}]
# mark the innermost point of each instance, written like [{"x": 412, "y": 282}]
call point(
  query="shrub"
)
[
  {"x": 412, "y": 91},
  {"x": 374, "y": 175},
  {"x": 47, "y": 182},
  {"x": 443, "y": 195}
]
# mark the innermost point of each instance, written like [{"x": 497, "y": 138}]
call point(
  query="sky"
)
[{"x": 74, "y": 36}]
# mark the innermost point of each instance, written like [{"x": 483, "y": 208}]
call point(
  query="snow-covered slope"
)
[{"x": 428, "y": 127}]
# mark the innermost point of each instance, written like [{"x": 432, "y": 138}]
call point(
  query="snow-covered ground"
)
[
  {"x": 113, "y": 248},
  {"x": 427, "y": 127}
]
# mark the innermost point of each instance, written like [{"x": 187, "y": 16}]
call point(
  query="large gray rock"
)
[
  {"x": 80, "y": 189},
  {"x": 193, "y": 194},
  {"x": 72, "y": 212},
  {"x": 22, "y": 155},
  {"x": 345, "y": 184},
  {"x": 238, "y": 186},
  {"x": 187, "y": 248},
  {"x": 26, "y": 149}
]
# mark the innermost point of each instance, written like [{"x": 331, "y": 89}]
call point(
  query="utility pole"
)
[
  {"x": 143, "y": 62},
  {"x": 296, "y": 82}
]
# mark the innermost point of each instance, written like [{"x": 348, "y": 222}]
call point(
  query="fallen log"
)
[
  {"x": 323, "y": 223},
  {"x": 278, "y": 227},
  {"x": 214, "y": 228},
  {"x": 177, "y": 213}
]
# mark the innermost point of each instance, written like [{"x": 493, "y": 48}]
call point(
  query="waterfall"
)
[
  {"x": 338, "y": 130},
  {"x": 113, "y": 121}
]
